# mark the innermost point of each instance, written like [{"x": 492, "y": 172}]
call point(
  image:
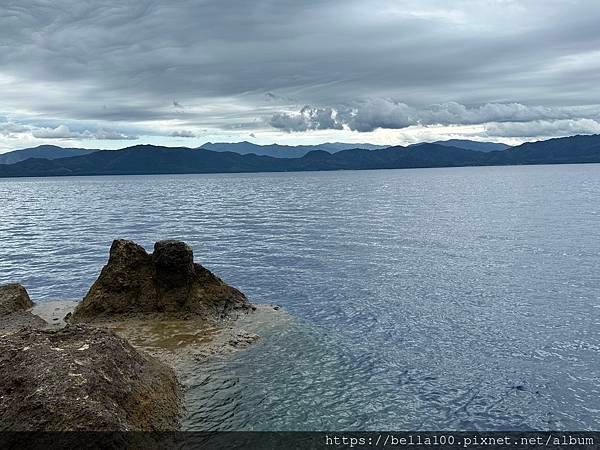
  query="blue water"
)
[{"x": 464, "y": 298}]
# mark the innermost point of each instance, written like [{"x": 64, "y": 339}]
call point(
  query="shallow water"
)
[{"x": 463, "y": 298}]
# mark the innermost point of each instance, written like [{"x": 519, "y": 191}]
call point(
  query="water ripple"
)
[{"x": 430, "y": 299}]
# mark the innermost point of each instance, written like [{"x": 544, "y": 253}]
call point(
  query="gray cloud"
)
[
  {"x": 11, "y": 128},
  {"x": 63, "y": 132},
  {"x": 544, "y": 128},
  {"x": 307, "y": 119},
  {"x": 361, "y": 66},
  {"x": 183, "y": 134},
  {"x": 372, "y": 114}
]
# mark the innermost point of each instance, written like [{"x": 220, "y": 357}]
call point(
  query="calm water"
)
[{"x": 424, "y": 299}]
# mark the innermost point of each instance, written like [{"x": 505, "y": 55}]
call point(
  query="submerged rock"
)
[
  {"x": 13, "y": 298},
  {"x": 134, "y": 282},
  {"x": 83, "y": 378}
]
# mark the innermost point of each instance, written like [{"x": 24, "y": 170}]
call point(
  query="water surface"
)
[{"x": 464, "y": 298}]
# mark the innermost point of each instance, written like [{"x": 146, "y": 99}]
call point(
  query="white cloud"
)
[
  {"x": 372, "y": 114},
  {"x": 543, "y": 128},
  {"x": 10, "y": 129},
  {"x": 183, "y": 134},
  {"x": 63, "y": 132}
]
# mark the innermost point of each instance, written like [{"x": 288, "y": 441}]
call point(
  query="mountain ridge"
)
[
  {"x": 283, "y": 151},
  {"x": 42, "y": 151},
  {"x": 480, "y": 146},
  {"x": 150, "y": 159},
  {"x": 275, "y": 150}
]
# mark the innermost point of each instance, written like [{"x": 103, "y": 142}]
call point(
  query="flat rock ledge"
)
[
  {"x": 135, "y": 283},
  {"x": 82, "y": 378}
]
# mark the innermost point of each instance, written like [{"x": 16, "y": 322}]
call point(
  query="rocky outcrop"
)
[
  {"x": 134, "y": 282},
  {"x": 83, "y": 378},
  {"x": 13, "y": 298},
  {"x": 14, "y": 309}
]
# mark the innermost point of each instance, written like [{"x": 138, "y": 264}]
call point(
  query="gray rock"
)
[
  {"x": 82, "y": 378},
  {"x": 13, "y": 298}
]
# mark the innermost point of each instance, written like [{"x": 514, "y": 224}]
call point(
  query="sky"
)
[{"x": 110, "y": 74}]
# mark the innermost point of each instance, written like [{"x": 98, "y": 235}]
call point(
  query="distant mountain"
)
[
  {"x": 567, "y": 150},
  {"x": 42, "y": 151},
  {"x": 148, "y": 159},
  {"x": 283, "y": 151},
  {"x": 470, "y": 145}
]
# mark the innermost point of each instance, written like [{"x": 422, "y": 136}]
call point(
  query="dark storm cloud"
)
[{"x": 360, "y": 65}]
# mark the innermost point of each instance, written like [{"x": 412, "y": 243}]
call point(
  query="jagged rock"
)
[
  {"x": 82, "y": 378},
  {"x": 14, "y": 306},
  {"x": 13, "y": 298},
  {"x": 134, "y": 282}
]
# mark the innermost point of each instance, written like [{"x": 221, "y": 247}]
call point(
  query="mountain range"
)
[
  {"x": 243, "y": 148},
  {"x": 150, "y": 159},
  {"x": 470, "y": 145},
  {"x": 42, "y": 151},
  {"x": 284, "y": 151}
]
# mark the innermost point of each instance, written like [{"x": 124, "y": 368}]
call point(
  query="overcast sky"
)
[{"x": 107, "y": 74}]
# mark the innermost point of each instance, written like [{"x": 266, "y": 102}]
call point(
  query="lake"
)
[{"x": 429, "y": 299}]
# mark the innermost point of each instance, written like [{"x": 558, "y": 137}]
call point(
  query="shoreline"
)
[
  {"x": 183, "y": 345},
  {"x": 115, "y": 360},
  {"x": 160, "y": 335}
]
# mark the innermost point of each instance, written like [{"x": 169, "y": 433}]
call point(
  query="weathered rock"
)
[
  {"x": 13, "y": 298},
  {"x": 83, "y": 378},
  {"x": 167, "y": 281},
  {"x": 14, "y": 306},
  {"x": 174, "y": 263},
  {"x": 19, "y": 320}
]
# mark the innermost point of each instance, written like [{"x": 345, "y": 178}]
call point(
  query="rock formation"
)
[
  {"x": 134, "y": 282},
  {"x": 13, "y": 298},
  {"x": 82, "y": 378},
  {"x": 14, "y": 309}
]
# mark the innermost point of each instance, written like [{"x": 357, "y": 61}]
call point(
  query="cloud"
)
[
  {"x": 109, "y": 135},
  {"x": 372, "y": 114},
  {"x": 307, "y": 119},
  {"x": 183, "y": 134},
  {"x": 121, "y": 64},
  {"x": 63, "y": 132},
  {"x": 11, "y": 128},
  {"x": 543, "y": 128},
  {"x": 60, "y": 132}
]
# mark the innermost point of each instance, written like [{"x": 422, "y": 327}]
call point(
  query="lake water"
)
[{"x": 464, "y": 298}]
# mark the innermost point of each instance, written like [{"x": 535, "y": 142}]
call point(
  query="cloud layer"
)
[
  {"x": 372, "y": 114},
  {"x": 63, "y": 132},
  {"x": 188, "y": 68}
]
